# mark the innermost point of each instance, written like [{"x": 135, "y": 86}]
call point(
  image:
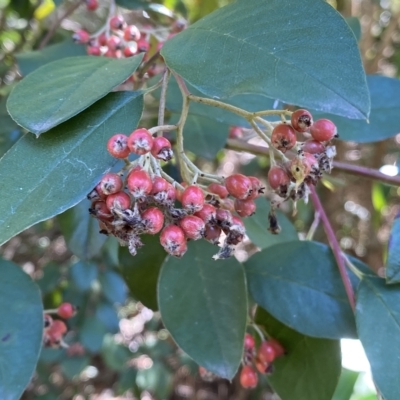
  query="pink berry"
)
[
  {"x": 81, "y": 36},
  {"x": 117, "y": 22},
  {"x": 173, "y": 240},
  {"x": 313, "y": 146},
  {"x": 248, "y": 377},
  {"x": 100, "y": 210},
  {"x": 245, "y": 208},
  {"x": 159, "y": 185},
  {"x": 277, "y": 177},
  {"x": 117, "y": 146},
  {"x": 239, "y": 186},
  {"x": 162, "y": 148},
  {"x": 153, "y": 219},
  {"x": 92, "y": 5},
  {"x": 235, "y": 132},
  {"x": 130, "y": 50},
  {"x": 66, "y": 310},
  {"x": 131, "y": 33},
  {"x": 93, "y": 51},
  {"x": 283, "y": 137},
  {"x": 119, "y": 200},
  {"x": 218, "y": 189},
  {"x": 139, "y": 184},
  {"x": 140, "y": 141},
  {"x": 143, "y": 45},
  {"x": 249, "y": 342},
  {"x": 193, "y": 198},
  {"x": 323, "y": 130},
  {"x": 192, "y": 226},
  {"x": 212, "y": 233},
  {"x": 257, "y": 187},
  {"x": 102, "y": 39},
  {"x": 302, "y": 120},
  {"x": 208, "y": 213},
  {"x": 114, "y": 43},
  {"x": 111, "y": 183}
]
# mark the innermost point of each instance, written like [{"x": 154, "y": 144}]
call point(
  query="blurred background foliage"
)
[{"x": 118, "y": 346}]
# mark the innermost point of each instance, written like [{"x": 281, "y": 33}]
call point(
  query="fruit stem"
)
[
  {"x": 258, "y": 330},
  {"x": 337, "y": 252},
  {"x": 272, "y": 112},
  {"x": 161, "y": 128},
  {"x": 314, "y": 226},
  {"x": 161, "y": 107}
]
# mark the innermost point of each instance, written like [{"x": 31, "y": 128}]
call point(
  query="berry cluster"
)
[
  {"x": 55, "y": 329},
  {"x": 120, "y": 40},
  {"x": 313, "y": 157},
  {"x": 262, "y": 359},
  {"x": 139, "y": 200}
]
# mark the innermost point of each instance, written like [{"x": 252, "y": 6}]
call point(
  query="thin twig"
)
[
  {"x": 337, "y": 252},
  {"x": 58, "y": 22},
  {"x": 161, "y": 107},
  {"x": 314, "y": 226}
]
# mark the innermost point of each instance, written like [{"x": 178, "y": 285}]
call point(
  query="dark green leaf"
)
[
  {"x": 56, "y": 171},
  {"x": 355, "y": 26},
  {"x": 127, "y": 380},
  {"x": 383, "y": 120},
  {"x": 378, "y": 325},
  {"x": 72, "y": 367},
  {"x": 133, "y": 4},
  {"x": 83, "y": 274},
  {"x": 141, "y": 272},
  {"x": 91, "y": 334},
  {"x": 260, "y": 47},
  {"x": 81, "y": 231},
  {"x": 113, "y": 287},
  {"x": 7, "y": 123},
  {"x": 299, "y": 284},
  {"x": 257, "y": 227},
  {"x": 393, "y": 258},
  {"x": 345, "y": 387},
  {"x": 31, "y": 60},
  {"x": 106, "y": 313},
  {"x": 311, "y": 368},
  {"x": 64, "y": 88},
  {"x": 50, "y": 278},
  {"x": 204, "y": 306},
  {"x": 115, "y": 355},
  {"x": 158, "y": 379},
  {"x": 21, "y": 329}
]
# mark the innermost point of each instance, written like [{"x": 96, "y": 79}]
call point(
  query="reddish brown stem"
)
[{"x": 337, "y": 252}]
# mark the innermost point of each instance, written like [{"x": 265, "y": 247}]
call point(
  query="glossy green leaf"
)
[
  {"x": 107, "y": 314},
  {"x": 141, "y": 272},
  {"x": 92, "y": 333},
  {"x": 384, "y": 119},
  {"x": 257, "y": 227},
  {"x": 203, "y": 304},
  {"x": 29, "y": 61},
  {"x": 21, "y": 329},
  {"x": 113, "y": 287},
  {"x": 259, "y": 47},
  {"x": 355, "y": 26},
  {"x": 310, "y": 369},
  {"x": 345, "y": 387},
  {"x": 299, "y": 284},
  {"x": 64, "y": 88},
  {"x": 158, "y": 379},
  {"x": 83, "y": 274},
  {"x": 56, "y": 171},
  {"x": 81, "y": 231},
  {"x": 7, "y": 123},
  {"x": 393, "y": 258},
  {"x": 378, "y": 325},
  {"x": 115, "y": 355},
  {"x": 50, "y": 279}
]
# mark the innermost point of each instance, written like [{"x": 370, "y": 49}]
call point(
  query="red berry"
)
[
  {"x": 81, "y": 36},
  {"x": 277, "y": 177},
  {"x": 159, "y": 185},
  {"x": 248, "y": 377},
  {"x": 224, "y": 217},
  {"x": 92, "y": 5},
  {"x": 239, "y": 186},
  {"x": 218, "y": 189},
  {"x": 171, "y": 193},
  {"x": 173, "y": 240},
  {"x": 100, "y": 210},
  {"x": 192, "y": 226},
  {"x": 237, "y": 221},
  {"x": 301, "y": 120},
  {"x": 262, "y": 366},
  {"x": 249, "y": 342},
  {"x": 278, "y": 348},
  {"x": 266, "y": 352},
  {"x": 131, "y": 33},
  {"x": 323, "y": 130},
  {"x": 130, "y": 50},
  {"x": 143, "y": 45},
  {"x": 111, "y": 54},
  {"x": 117, "y": 22},
  {"x": 47, "y": 321},
  {"x": 117, "y": 146},
  {"x": 310, "y": 160},
  {"x": 114, "y": 43},
  {"x": 58, "y": 326},
  {"x": 66, "y": 310},
  {"x": 235, "y": 132},
  {"x": 283, "y": 137},
  {"x": 139, "y": 184},
  {"x": 257, "y": 187},
  {"x": 119, "y": 200},
  {"x": 228, "y": 204},
  {"x": 140, "y": 141},
  {"x": 102, "y": 39},
  {"x": 178, "y": 192},
  {"x": 111, "y": 183},
  {"x": 162, "y": 148},
  {"x": 153, "y": 219},
  {"x": 208, "y": 213},
  {"x": 212, "y": 233},
  {"x": 245, "y": 208},
  {"x": 313, "y": 146},
  {"x": 193, "y": 198},
  {"x": 93, "y": 51}
]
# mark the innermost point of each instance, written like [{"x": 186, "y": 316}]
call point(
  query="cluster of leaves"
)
[{"x": 69, "y": 105}]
